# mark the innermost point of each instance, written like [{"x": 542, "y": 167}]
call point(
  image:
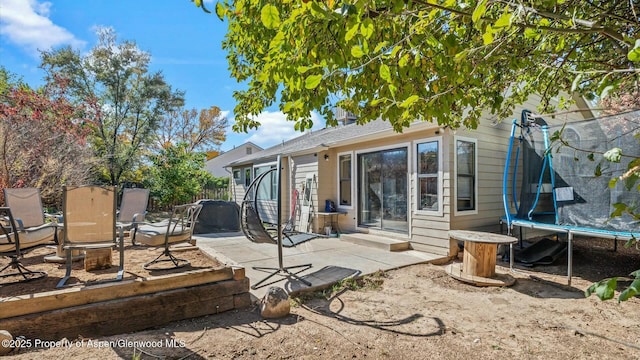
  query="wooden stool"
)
[
  {"x": 479, "y": 262},
  {"x": 97, "y": 259}
]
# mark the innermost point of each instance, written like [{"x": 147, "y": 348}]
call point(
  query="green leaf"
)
[
  {"x": 630, "y": 181},
  {"x": 613, "y": 155},
  {"x": 409, "y": 101},
  {"x": 598, "y": 171},
  {"x": 221, "y": 10},
  {"x": 395, "y": 50},
  {"x": 530, "y": 34},
  {"x": 385, "y": 74},
  {"x": 404, "y": 60},
  {"x": 620, "y": 208},
  {"x": 351, "y": 32},
  {"x": 461, "y": 56},
  {"x": 312, "y": 81},
  {"x": 366, "y": 29},
  {"x": 591, "y": 157},
  {"x": 375, "y": 102},
  {"x": 318, "y": 11},
  {"x": 270, "y": 16},
  {"x": 487, "y": 38},
  {"x": 606, "y": 290},
  {"x": 576, "y": 82},
  {"x": 503, "y": 21},
  {"x": 605, "y": 91},
  {"x": 631, "y": 291},
  {"x": 356, "y": 51},
  {"x": 380, "y": 46},
  {"x": 634, "y": 54},
  {"x": 303, "y": 69},
  {"x": 393, "y": 89},
  {"x": 612, "y": 183},
  {"x": 432, "y": 41},
  {"x": 480, "y": 9}
]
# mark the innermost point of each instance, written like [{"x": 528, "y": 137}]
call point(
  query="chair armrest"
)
[{"x": 19, "y": 223}]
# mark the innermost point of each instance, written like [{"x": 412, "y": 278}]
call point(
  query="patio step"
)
[{"x": 376, "y": 241}]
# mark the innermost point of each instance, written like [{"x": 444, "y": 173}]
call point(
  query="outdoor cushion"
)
[
  {"x": 151, "y": 235},
  {"x": 30, "y": 238}
]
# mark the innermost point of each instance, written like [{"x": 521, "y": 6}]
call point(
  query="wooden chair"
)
[
  {"x": 90, "y": 223},
  {"x": 178, "y": 229},
  {"x": 12, "y": 244}
]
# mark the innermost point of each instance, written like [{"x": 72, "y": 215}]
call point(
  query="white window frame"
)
[
  {"x": 457, "y": 212},
  {"x": 356, "y": 179},
  {"x": 352, "y": 169},
  {"x": 271, "y": 165},
  {"x": 237, "y": 180},
  {"x": 244, "y": 176},
  {"x": 416, "y": 177}
]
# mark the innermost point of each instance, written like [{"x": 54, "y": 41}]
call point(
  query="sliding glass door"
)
[{"x": 382, "y": 189}]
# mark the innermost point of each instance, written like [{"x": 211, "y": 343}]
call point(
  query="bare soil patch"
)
[{"x": 417, "y": 312}]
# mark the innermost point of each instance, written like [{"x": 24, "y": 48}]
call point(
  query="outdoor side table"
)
[
  {"x": 479, "y": 261},
  {"x": 333, "y": 219}
]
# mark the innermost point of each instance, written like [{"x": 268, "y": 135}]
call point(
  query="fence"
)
[{"x": 210, "y": 193}]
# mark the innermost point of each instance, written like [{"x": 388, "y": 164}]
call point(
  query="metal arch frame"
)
[{"x": 281, "y": 270}]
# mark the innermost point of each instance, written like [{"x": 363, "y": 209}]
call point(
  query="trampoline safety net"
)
[{"x": 580, "y": 172}]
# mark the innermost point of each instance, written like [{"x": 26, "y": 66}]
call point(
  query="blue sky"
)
[{"x": 184, "y": 43}]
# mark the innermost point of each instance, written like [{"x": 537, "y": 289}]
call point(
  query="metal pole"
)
[{"x": 279, "y": 211}]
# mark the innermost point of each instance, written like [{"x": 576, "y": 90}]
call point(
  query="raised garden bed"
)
[{"x": 142, "y": 300}]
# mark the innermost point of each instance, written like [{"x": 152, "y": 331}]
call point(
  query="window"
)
[
  {"x": 466, "y": 174},
  {"x": 248, "y": 150},
  {"x": 247, "y": 176},
  {"x": 344, "y": 163},
  {"x": 237, "y": 176},
  {"x": 268, "y": 189},
  {"x": 428, "y": 172}
]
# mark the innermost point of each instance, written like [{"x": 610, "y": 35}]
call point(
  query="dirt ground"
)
[
  {"x": 135, "y": 258},
  {"x": 417, "y": 312}
]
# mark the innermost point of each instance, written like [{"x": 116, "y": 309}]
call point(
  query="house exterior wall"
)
[
  {"x": 427, "y": 229},
  {"x": 302, "y": 167},
  {"x": 492, "y": 147},
  {"x": 216, "y": 166}
]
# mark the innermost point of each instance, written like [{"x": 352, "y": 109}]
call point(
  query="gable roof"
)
[
  {"x": 216, "y": 165},
  {"x": 322, "y": 140}
]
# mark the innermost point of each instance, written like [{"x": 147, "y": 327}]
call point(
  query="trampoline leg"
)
[
  {"x": 569, "y": 257},
  {"x": 511, "y": 257},
  {"x": 520, "y": 238}
]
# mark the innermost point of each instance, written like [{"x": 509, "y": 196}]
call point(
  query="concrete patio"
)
[{"x": 332, "y": 260}]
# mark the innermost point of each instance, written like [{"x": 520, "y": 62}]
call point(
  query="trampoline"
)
[{"x": 565, "y": 179}]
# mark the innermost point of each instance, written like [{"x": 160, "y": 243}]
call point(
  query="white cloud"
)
[
  {"x": 275, "y": 128},
  {"x": 26, "y": 23}
]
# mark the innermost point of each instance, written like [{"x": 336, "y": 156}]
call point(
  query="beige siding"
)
[
  {"x": 426, "y": 232},
  {"x": 238, "y": 189},
  {"x": 492, "y": 147},
  {"x": 301, "y": 167}
]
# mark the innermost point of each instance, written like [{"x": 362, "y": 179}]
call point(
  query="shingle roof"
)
[{"x": 318, "y": 140}]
